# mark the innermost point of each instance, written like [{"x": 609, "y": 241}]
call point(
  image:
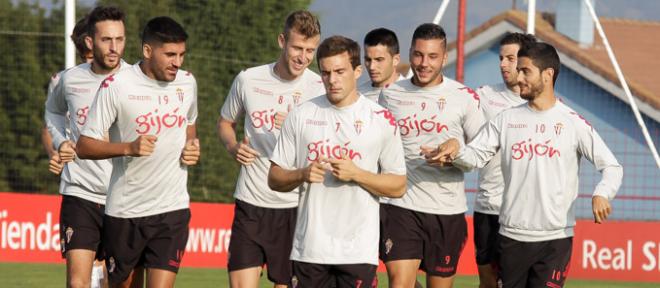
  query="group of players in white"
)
[{"x": 333, "y": 175}]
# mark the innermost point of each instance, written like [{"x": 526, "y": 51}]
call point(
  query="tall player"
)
[
  {"x": 495, "y": 99},
  {"x": 262, "y": 231},
  {"x": 381, "y": 57},
  {"x": 341, "y": 152},
  {"x": 541, "y": 144},
  {"x": 84, "y": 183},
  {"x": 149, "y": 110},
  {"x": 426, "y": 228}
]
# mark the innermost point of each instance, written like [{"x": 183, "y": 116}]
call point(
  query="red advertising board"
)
[{"x": 625, "y": 251}]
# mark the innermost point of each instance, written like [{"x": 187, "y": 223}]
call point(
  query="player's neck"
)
[
  {"x": 435, "y": 82},
  {"x": 98, "y": 69},
  {"x": 145, "y": 69},
  {"x": 351, "y": 98},
  {"x": 544, "y": 101},
  {"x": 513, "y": 88},
  {"x": 282, "y": 72},
  {"x": 389, "y": 81}
]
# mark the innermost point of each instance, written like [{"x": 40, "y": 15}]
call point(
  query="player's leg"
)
[
  {"x": 312, "y": 275},
  {"x": 355, "y": 275},
  {"x": 246, "y": 256},
  {"x": 486, "y": 233},
  {"x": 160, "y": 278},
  {"x": 401, "y": 245},
  {"x": 447, "y": 235},
  {"x": 276, "y": 238},
  {"x": 135, "y": 279},
  {"x": 166, "y": 236},
  {"x": 79, "y": 267},
  {"x": 551, "y": 269}
]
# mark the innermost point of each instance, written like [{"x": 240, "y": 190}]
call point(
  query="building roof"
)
[{"x": 633, "y": 42}]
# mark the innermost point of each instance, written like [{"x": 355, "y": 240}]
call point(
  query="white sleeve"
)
[
  {"x": 55, "y": 113},
  {"x": 103, "y": 112},
  {"x": 591, "y": 146},
  {"x": 474, "y": 117},
  {"x": 284, "y": 154},
  {"x": 192, "y": 112},
  {"x": 481, "y": 149},
  {"x": 234, "y": 106},
  {"x": 391, "y": 159}
]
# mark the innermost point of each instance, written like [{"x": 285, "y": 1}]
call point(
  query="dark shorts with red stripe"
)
[
  {"x": 437, "y": 240},
  {"x": 81, "y": 225},
  {"x": 333, "y": 276},
  {"x": 156, "y": 241},
  {"x": 262, "y": 236},
  {"x": 535, "y": 264}
]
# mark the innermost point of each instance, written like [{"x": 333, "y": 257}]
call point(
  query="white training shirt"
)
[
  {"x": 540, "y": 154},
  {"x": 259, "y": 93},
  {"x": 130, "y": 104},
  {"x": 338, "y": 222},
  {"x": 429, "y": 116},
  {"x": 494, "y": 99},
  {"x": 67, "y": 108},
  {"x": 372, "y": 93}
]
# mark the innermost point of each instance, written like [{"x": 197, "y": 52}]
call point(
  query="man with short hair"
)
[
  {"x": 84, "y": 183},
  {"x": 264, "y": 220},
  {"x": 541, "y": 144},
  {"x": 495, "y": 99},
  {"x": 342, "y": 152},
  {"x": 149, "y": 111},
  {"x": 381, "y": 57},
  {"x": 426, "y": 228}
]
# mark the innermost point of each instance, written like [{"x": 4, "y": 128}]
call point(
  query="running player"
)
[
  {"x": 426, "y": 228},
  {"x": 341, "y": 151},
  {"x": 494, "y": 99},
  {"x": 84, "y": 183},
  {"x": 381, "y": 57},
  {"x": 262, "y": 231},
  {"x": 542, "y": 142},
  {"x": 149, "y": 110}
]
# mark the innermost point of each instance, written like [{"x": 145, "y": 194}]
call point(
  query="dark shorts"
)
[
  {"x": 486, "y": 238},
  {"x": 535, "y": 264},
  {"x": 262, "y": 236},
  {"x": 437, "y": 240},
  {"x": 339, "y": 276},
  {"x": 156, "y": 241},
  {"x": 81, "y": 225}
]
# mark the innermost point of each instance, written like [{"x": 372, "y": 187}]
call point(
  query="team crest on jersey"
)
[
  {"x": 441, "y": 103},
  {"x": 358, "y": 126},
  {"x": 179, "y": 93},
  {"x": 111, "y": 264},
  {"x": 296, "y": 97},
  {"x": 558, "y": 128},
  {"x": 388, "y": 245},
  {"x": 69, "y": 234}
]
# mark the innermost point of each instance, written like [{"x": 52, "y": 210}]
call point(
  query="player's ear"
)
[
  {"x": 396, "y": 59},
  {"x": 358, "y": 71},
  {"x": 89, "y": 42},
  {"x": 281, "y": 40},
  {"x": 147, "y": 50}
]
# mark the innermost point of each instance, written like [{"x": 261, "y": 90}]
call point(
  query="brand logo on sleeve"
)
[{"x": 106, "y": 82}]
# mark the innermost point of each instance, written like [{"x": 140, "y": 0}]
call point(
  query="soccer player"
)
[
  {"x": 494, "y": 99},
  {"x": 84, "y": 183},
  {"x": 426, "y": 228},
  {"x": 381, "y": 57},
  {"x": 541, "y": 143},
  {"x": 341, "y": 151},
  {"x": 149, "y": 110},
  {"x": 262, "y": 230}
]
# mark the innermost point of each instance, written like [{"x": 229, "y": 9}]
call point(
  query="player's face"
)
[
  {"x": 508, "y": 62},
  {"x": 108, "y": 44},
  {"x": 529, "y": 79},
  {"x": 339, "y": 78},
  {"x": 165, "y": 59},
  {"x": 426, "y": 60},
  {"x": 380, "y": 64},
  {"x": 297, "y": 52}
]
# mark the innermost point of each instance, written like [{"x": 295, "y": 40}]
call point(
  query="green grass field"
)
[{"x": 52, "y": 275}]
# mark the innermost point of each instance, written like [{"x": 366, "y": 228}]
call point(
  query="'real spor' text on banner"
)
[{"x": 616, "y": 250}]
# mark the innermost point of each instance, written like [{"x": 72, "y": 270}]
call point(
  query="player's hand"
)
[
  {"x": 243, "y": 153},
  {"x": 344, "y": 169},
  {"x": 67, "y": 151},
  {"x": 191, "y": 152},
  {"x": 314, "y": 172},
  {"x": 55, "y": 165},
  {"x": 601, "y": 208},
  {"x": 443, "y": 155},
  {"x": 280, "y": 116},
  {"x": 144, "y": 145}
]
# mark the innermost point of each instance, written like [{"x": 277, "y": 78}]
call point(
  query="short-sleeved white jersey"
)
[
  {"x": 540, "y": 157},
  {"x": 429, "y": 116},
  {"x": 67, "y": 107},
  {"x": 338, "y": 222},
  {"x": 259, "y": 93},
  {"x": 494, "y": 99},
  {"x": 130, "y": 104}
]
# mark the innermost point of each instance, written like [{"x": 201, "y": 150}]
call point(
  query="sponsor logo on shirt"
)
[
  {"x": 411, "y": 125},
  {"x": 79, "y": 90},
  {"x": 316, "y": 122},
  {"x": 497, "y": 104},
  {"x": 516, "y": 126},
  {"x": 153, "y": 122},
  {"x": 139, "y": 97},
  {"x": 263, "y": 118},
  {"x": 404, "y": 102},
  {"x": 82, "y": 115},
  {"x": 324, "y": 148},
  {"x": 529, "y": 149},
  {"x": 262, "y": 91}
]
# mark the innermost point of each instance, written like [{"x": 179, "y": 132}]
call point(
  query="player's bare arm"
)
[
  {"x": 241, "y": 151},
  {"x": 283, "y": 180},
  {"x": 90, "y": 148},
  {"x": 386, "y": 185}
]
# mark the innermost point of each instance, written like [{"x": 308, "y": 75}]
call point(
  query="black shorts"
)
[
  {"x": 81, "y": 225},
  {"x": 535, "y": 264},
  {"x": 262, "y": 236},
  {"x": 156, "y": 241},
  {"x": 335, "y": 276},
  {"x": 486, "y": 238},
  {"x": 437, "y": 240}
]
